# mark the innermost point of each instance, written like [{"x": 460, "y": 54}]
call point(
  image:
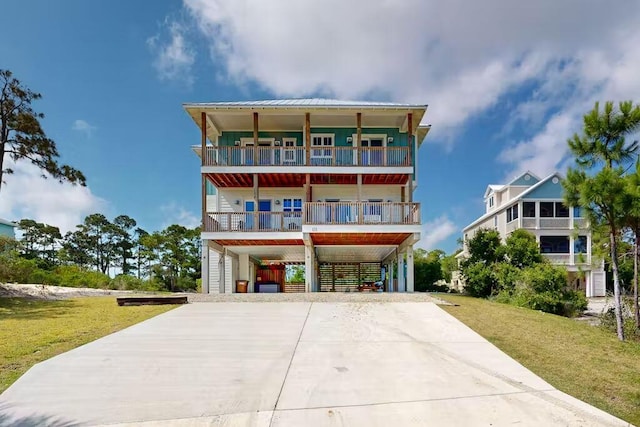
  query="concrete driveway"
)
[{"x": 292, "y": 364}]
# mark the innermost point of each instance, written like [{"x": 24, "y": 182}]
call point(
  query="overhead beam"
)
[{"x": 213, "y": 125}]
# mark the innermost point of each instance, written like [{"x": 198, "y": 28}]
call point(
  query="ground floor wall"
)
[{"x": 222, "y": 270}]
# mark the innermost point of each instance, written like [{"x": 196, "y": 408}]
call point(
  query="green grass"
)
[
  {"x": 32, "y": 331},
  {"x": 581, "y": 360}
]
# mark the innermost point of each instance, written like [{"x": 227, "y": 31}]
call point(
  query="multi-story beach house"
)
[
  {"x": 7, "y": 228},
  {"x": 323, "y": 184},
  {"x": 563, "y": 234}
]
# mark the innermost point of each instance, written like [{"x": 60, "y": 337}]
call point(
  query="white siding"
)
[
  {"x": 212, "y": 203},
  {"x": 228, "y": 279},
  {"x": 214, "y": 272},
  {"x": 350, "y": 192}
]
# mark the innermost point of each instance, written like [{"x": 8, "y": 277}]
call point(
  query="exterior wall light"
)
[
  {"x": 350, "y": 140},
  {"x": 236, "y": 143},
  {"x": 389, "y": 140},
  {"x": 237, "y": 202},
  {"x": 277, "y": 202}
]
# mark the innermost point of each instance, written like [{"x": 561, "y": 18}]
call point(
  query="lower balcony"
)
[{"x": 316, "y": 213}]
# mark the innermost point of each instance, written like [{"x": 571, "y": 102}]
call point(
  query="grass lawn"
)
[
  {"x": 578, "y": 359},
  {"x": 32, "y": 331}
]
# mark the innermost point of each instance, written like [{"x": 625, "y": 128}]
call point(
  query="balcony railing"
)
[
  {"x": 554, "y": 223},
  {"x": 297, "y": 156},
  {"x": 340, "y": 213},
  {"x": 253, "y": 221},
  {"x": 558, "y": 258},
  {"x": 317, "y": 213}
]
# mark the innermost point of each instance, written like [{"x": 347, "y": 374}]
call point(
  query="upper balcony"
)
[{"x": 300, "y": 156}]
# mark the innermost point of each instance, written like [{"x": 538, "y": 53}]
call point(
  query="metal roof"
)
[
  {"x": 306, "y": 102},
  {"x": 6, "y": 222}
]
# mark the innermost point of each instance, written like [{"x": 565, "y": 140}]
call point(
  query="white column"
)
[
  {"x": 409, "y": 279},
  {"x": 571, "y": 248},
  {"x": 401, "y": 287},
  {"x": 243, "y": 270},
  {"x": 222, "y": 267},
  {"x": 204, "y": 269},
  {"x": 390, "y": 287},
  {"x": 308, "y": 269}
]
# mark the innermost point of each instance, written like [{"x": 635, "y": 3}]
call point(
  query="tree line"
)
[{"x": 168, "y": 259}]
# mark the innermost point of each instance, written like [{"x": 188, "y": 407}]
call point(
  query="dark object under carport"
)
[{"x": 151, "y": 300}]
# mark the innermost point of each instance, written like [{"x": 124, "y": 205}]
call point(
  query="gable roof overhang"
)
[
  {"x": 510, "y": 202},
  {"x": 283, "y": 115}
]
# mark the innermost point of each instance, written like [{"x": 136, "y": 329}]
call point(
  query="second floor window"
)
[
  {"x": 529, "y": 209},
  {"x": 292, "y": 205},
  {"x": 553, "y": 210},
  {"x": 320, "y": 141},
  {"x": 512, "y": 213}
]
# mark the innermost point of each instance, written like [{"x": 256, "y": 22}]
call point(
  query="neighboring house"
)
[
  {"x": 7, "y": 228},
  {"x": 322, "y": 183},
  {"x": 563, "y": 235}
]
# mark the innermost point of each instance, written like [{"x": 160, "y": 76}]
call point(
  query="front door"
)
[
  {"x": 372, "y": 152},
  {"x": 249, "y": 206},
  {"x": 264, "y": 208}
]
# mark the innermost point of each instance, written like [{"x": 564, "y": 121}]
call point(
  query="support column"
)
[
  {"x": 410, "y": 144},
  {"x": 222, "y": 267},
  {"x": 243, "y": 270},
  {"x": 203, "y": 155},
  {"x": 255, "y": 138},
  {"x": 359, "y": 199},
  {"x": 359, "y": 136},
  {"x": 307, "y": 138},
  {"x": 309, "y": 268},
  {"x": 256, "y": 200},
  {"x": 391, "y": 276},
  {"x": 401, "y": 287},
  {"x": 571, "y": 251},
  {"x": 204, "y": 277},
  {"x": 410, "y": 275}
]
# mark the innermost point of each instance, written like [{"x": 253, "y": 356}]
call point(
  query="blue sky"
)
[{"x": 506, "y": 86}]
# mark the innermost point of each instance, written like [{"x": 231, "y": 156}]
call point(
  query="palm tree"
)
[{"x": 602, "y": 194}]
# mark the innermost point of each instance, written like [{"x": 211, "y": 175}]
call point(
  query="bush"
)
[
  {"x": 16, "y": 269},
  {"x": 77, "y": 277},
  {"x": 608, "y": 320},
  {"x": 543, "y": 287},
  {"x": 479, "y": 280},
  {"x": 124, "y": 282}
]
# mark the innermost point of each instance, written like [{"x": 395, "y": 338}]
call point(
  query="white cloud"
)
[
  {"x": 176, "y": 214},
  {"x": 174, "y": 58},
  {"x": 436, "y": 231},
  {"x": 84, "y": 127},
  {"x": 25, "y": 194},
  {"x": 461, "y": 57}
]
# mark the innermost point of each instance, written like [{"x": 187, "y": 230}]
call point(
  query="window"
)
[
  {"x": 554, "y": 244},
  {"x": 491, "y": 201},
  {"x": 577, "y": 212},
  {"x": 546, "y": 209},
  {"x": 512, "y": 213},
  {"x": 292, "y": 205},
  {"x": 529, "y": 209},
  {"x": 580, "y": 245},
  {"x": 289, "y": 150},
  {"x": 561, "y": 210},
  {"x": 495, "y": 221},
  {"x": 321, "y": 156}
]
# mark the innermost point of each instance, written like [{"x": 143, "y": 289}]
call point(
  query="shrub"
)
[
  {"x": 125, "y": 282},
  {"x": 543, "y": 287},
  {"x": 506, "y": 276},
  {"x": 479, "y": 280},
  {"x": 77, "y": 277}
]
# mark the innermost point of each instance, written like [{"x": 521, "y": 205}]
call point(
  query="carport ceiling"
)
[
  {"x": 271, "y": 253},
  {"x": 353, "y": 253}
]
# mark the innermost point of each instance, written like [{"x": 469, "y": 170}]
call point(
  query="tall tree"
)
[
  {"x": 603, "y": 145},
  {"x": 40, "y": 241},
  {"x": 632, "y": 220},
  {"x": 124, "y": 243},
  {"x": 21, "y": 135}
]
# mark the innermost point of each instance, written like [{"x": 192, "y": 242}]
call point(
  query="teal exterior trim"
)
[
  {"x": 211, "y": 189},
  {"x": 547, "y": 190},
  {"x": 7, "y": 230},
  {"x": 521, "y": 181}
]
